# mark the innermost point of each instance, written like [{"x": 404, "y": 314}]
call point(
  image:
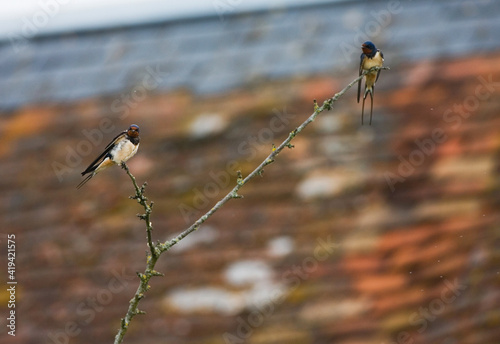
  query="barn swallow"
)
[
  {"x": 119, "y": 150},
  {"x": 371, "y": 57}
]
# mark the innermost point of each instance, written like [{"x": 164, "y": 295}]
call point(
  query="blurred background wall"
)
[{"x": 387, "y": 233}]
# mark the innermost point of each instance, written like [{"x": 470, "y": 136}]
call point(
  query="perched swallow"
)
[
  {"x": 122, "y": 148},
  {"x": 371, "y": 57}
]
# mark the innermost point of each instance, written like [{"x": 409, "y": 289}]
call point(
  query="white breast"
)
[
  {"x": 375, "y": 61},
  {"x": 123, "y": 151}
]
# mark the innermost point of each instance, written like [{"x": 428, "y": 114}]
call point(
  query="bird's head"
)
[
  {"x": 369, "y": 49},
  {"x": 133, "y": 131}
]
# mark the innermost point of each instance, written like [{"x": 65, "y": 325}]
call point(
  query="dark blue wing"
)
[
  {"x": 378, "y": 73},
  {"x": 361, "y": 58},
  {"x": 101, "y": 157}
]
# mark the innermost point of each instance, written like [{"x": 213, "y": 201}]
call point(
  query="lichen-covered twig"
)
[
  {"x": 155, "y": 250},
  {"x": 148, "y": 208}
]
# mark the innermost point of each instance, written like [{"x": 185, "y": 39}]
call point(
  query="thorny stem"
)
[{"x": 159, "y": 248}]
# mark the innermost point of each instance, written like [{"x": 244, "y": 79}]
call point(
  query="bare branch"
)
[
  {"x": 159, "y": 248},
  {"x": 327, "y": 105},
  {"x": 148, "y": 208}
]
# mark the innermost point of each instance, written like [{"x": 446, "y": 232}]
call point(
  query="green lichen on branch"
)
[
  {"x": 157, "y": 249},
  {"x": 148, "y": 208}
]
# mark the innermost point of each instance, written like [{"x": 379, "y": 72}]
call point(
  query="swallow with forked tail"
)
[
  {"x": 371, "y": 57},
  {"x": 119, "y": 150}
]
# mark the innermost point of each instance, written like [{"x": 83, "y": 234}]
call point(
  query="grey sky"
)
[{"x": 32, "y": 17}]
